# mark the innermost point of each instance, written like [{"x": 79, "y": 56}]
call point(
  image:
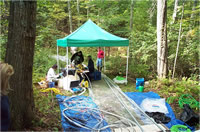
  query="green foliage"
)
[
  {"x": 187, "y": 62},
  {"x": 42, "y": 62},
  {"x": 174, "y": 88},
  {"x": 120, "y": 65},
  {"x": 4, "y": 15},
  {"x": 47, "y": 111}
]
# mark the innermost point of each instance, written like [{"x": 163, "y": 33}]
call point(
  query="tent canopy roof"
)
[{"x": 91, "y": 35}]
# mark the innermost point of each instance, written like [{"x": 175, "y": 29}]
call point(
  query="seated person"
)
[
  {"x": 90, "y": 67},
  {"x": 51, "y": 75}
]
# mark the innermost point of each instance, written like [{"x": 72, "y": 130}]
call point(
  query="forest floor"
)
[{"x": 48, "y": 112}]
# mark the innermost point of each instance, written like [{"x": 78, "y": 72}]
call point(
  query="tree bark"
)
[
  {"x": 88, "y": 10},
  {"x": 193, "y": 8},
  {"x": 162, "y": 38},
  {"x": 152, "y": 10},
  {"x": 131, "y": 16},
  {"x": 78, "y": 11},
  {"x": 192, "y": 22},
  {"x": 72, "y": 49},
  {"x": 70, "y": 16},
  {"x": 98, "y": 16},
  {"x": 175, "y": 11},
  {"x": 108, "y": 52},
  {"x": 19, "y": 53}
]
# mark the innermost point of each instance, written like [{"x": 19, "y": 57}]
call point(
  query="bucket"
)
[
  {"x": 141, "y": 88},
  {"x": 51, "y": 84},
  {"x": 139, "y": 82}
]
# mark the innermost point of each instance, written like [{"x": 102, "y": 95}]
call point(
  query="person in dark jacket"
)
[
  {"x": 90, "y": 67},
  {"x": 6, "y": 71},
  {"x": 77, "y": 58},
  {"x": 90, "y": 64}
]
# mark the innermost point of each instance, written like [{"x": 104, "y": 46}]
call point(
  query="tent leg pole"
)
[
  {"x": 57, "y": 60},
  {"x": 104, "y": 69},
  {"x": 67, "y": 61},
  {"x": 67, "y": 67},
  {"x": 127, "y": 65}
]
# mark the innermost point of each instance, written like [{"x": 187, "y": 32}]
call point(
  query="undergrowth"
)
[{"x": 47, "y": 112}]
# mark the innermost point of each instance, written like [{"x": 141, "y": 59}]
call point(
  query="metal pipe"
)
[
  {"x": 67, "y": 68},
  {"x": 133, "y": 103},
  {"x": 104, "y": 69},
  {"x": 124, "y": 106},
  {"x": 127, "y": 65},
  {"x": 57, "y": 59},
  {"x": 97, "y": 115}
]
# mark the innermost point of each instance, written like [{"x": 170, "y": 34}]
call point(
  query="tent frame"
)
[{"x": 67, "y": 54}]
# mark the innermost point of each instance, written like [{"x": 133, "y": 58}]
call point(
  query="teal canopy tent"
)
[{"x": 91, "y": 35}]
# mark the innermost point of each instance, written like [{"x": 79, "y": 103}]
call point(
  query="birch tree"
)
[
  {"x": 152, "y": 9},
  {"x": 193, "y": 14},
  {"x": 161, "y": 38},
  {"x": 78, "y": 11},
  {"x": 175, "y": 11},
  {"x": 179, "y": 38},
  {"x": 70, "y": 16},
  {"x": 72, "y": 49}
]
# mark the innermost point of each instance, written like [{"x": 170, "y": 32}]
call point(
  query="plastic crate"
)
[{"x": 97, "y": 75}]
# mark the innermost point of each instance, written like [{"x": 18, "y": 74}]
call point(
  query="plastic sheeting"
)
[
  {"x": 61, "y": 58},
  {"x": 154, "y": 105},
  {"x": 138, "y": 97},
  {"x": 84, "y": 116}
]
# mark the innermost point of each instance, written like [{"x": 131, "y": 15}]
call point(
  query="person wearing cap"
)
[{"x": 51, "y": 74}]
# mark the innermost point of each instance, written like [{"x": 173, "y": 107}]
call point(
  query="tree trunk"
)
[
  {"x": 131, "y": 16},
  {"x": 72, "y": 49},
  {"x": 88, "y": 9},
  {"x": 193, "y": 8},
  {"x": 192, "y": 22},
  {"x": 162, "y": 38},
  {"x": 98, "y": 16},
  {"x": 78, "y": 11},
  {"x": 175, "y": 11},
  {"x": 108, "y": 52},
  {"x": 70, "y": 16},
  {"x": 19, "y": 53},
  {"x": 179, "y": 38},
  {"x": 152, "y": 10}
]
